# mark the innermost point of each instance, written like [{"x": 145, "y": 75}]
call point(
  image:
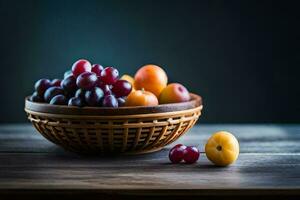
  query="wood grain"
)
[{"x": 269, "y": 164}]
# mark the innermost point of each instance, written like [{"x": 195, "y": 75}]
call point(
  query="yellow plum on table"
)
[{"x": 222, "y": 148}]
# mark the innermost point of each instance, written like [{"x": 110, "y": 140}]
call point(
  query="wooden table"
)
[{"x": 268, "y": 165}]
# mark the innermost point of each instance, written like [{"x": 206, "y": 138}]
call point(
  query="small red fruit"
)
[
  {"x": 176, "y": 153},
  {"x": 109, "y": 75},
  {"x": 81, "y": 66},
  {"x": 191, "y": 155},
  {"x": 97, "y": 69}
]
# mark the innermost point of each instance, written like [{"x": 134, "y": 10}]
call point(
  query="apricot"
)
[
  {"x": 151, "y": 78},
  {"x": 174, "y": 93},
  {"x": 141, "y": 98},
  {"x": 222, "y": 148}
]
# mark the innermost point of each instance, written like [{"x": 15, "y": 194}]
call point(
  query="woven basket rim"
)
[
  {"x": 149, "y": 115},
  {"x": 39, "y": 108}
]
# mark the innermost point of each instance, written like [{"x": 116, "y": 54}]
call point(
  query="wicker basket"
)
[{"x": 110, "y": 130}]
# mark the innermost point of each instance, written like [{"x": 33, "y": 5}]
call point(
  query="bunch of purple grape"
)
[{"x": 84, "y": 85}]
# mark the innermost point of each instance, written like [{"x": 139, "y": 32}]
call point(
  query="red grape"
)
[
  {"x": 121, "y": 88},
  {"x": 93, "y": 97},
  {"x": 56, "y": 82},
  {"x": 97, "y": 69},
  {"x": 81, "y": 66},
  {"x": 191, "y": 155},
  {"x": 109, "y": 75},
  {"x": 36, "y": 98},
  {"x": 59, "y": 100},
  {"x": 110, "y": 101},
  {"x": 87, "y": 80},
  {"x": 41, "y": 86},
  {"x": 69, "y": 84},
  {"x": 51, "y": 92},
  {"x": 76, "y": 101},
  {"x": 176, "y": 154}
]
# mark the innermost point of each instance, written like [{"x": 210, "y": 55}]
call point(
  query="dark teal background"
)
[{"x": 241, "y": 56}]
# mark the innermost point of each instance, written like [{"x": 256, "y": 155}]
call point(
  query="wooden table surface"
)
[{"x": 269, "y": 165}]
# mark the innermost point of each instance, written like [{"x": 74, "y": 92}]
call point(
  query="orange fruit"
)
[
  {"x": 141, "y": 98},
  {"x": 151, "y": 78},
  {"x": 222, "y": 148},
  {"x": 174, "y": 93}
]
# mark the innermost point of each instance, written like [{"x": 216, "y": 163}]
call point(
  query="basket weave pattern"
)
[{"x": 101, "y": 134}]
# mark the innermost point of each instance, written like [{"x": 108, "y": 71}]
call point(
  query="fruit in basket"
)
[
  {"x": 121, "y": 88},
  {"x": 151, "y": 78},
  {"x": 191, "y": 155},
  {"x": 59, "y": 100},
  {"x": 110, "y": 101},
  {"x": 121, "y": 101},
  {"x": 36, "y": 98},
  {"x": 41, "y": 86},
  {"x": 76, "y": 101},
  {"x": 97, "y": 69},
  {"x": 128, "y": 78},
  {"x": 69, "y": 84},
  {"x": 222, "y": 148},
  {"x": 87, "y": 80},
  {"x": 141, "y": 98},
  {"x": 174, "y": 93},
  {"x": 56, "y": 82},
  {"x": 93, "y": 97},
  {"x": 52, "y": 92},
  {"x": 109, "y": 75},
  {"x": 80, "y": 93},
  {"x": 81, "y": 66},
  {"x": 91, "y": 83},
  {"x": 105, "y": 88}
]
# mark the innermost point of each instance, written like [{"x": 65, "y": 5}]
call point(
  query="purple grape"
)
[
  {"x": 87, "y": 80},
  {"x": 109, "y": 75},
  {"x": 121, "y": 101},
  {"x": 69, "y": 84},
  {"x": 59, "y": 100},
  {"x": 36, "y": 98},
  {"x": 41, "y": 86},
  {"x": 76, "y": 101},
  {"x": 110, "y": 101},
  {"x": 97, "y": 69},
  {"x": 56, "y": 82},
  {"x": 121, "y": 88},
  {"x": 51, "y": 92},
  {"x": 80, "y": 93},
  {"x": 93, "y": 97}
]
